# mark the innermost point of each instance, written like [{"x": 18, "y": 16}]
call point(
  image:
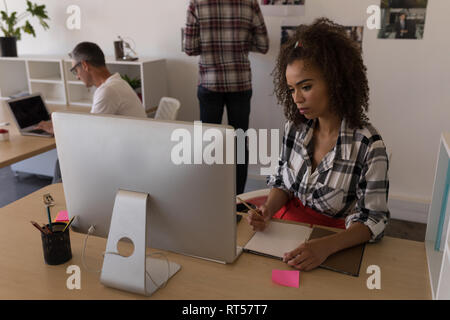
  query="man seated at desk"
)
[{"x": 113, "y": 95}]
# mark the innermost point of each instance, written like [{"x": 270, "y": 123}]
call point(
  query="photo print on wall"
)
[
  {"x": 353, "y": 32},
  {"x": 183, "y": 31},
  {"x": 356, "y": 34},
  {"x": 282, "y": 2},
  {"x": 282, "y": 7},
  {"x": 402, "y": 19}
]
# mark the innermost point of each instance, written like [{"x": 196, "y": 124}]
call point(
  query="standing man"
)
[{"x": 223, "y": 32}]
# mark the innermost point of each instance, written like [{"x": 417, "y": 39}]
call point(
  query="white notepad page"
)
[{"x": 278, "y": 238}]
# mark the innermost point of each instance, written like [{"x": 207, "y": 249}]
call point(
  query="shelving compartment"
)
[
  {"x": 131, "y": 70},
  {"x": 13, "y": 78},
  {"x": 79, "y": 95},
  {"x": 45, "y": 71},
  {"x": 52, "y": 93}
]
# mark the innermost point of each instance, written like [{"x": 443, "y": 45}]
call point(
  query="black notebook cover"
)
[{"x": 347, "y": 261}]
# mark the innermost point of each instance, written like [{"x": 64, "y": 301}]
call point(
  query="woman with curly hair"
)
[{"x": 333, "y": 165}]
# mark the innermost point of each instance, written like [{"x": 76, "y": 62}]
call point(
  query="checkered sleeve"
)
[
  {"x": 276, "y": 180},
  {"x": 372, "y": 191},
  {"x": 260, "y": 41},
  {"x": 192, "y": 31}
]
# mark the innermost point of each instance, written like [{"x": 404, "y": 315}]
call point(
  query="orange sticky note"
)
[
  {"x": 286, "y": 278},
  {"x": 62, "y": 216}
]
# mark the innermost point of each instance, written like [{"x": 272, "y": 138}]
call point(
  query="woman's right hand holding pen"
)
[{"x": 259, "y": 218}]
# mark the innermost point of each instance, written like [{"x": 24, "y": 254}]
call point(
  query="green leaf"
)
[
  {"x": 4, "y": 15},
  {"x": 16, "y": 33},
  {"x": 36, "y": 10},
  {"x": 10, "y": 21},
  {"x": 6, "y": 33},
  {"x": 28, "y": 28},
  {"x": 134, "y": 83},
  {"x": 44, "y": 24}
]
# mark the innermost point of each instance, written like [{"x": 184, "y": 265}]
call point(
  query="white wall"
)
[{"x": 409, "y": 80}]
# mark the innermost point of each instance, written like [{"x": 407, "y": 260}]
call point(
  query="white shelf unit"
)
[
  {"x": 438, "y": 227},
  {"x": 33, "y": 74},
  {"x": 51, "y": 76},
  {"x": 151, "y": 72}
]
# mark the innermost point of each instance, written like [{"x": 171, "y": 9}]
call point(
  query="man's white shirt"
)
[{"x": 115, "y": 96}]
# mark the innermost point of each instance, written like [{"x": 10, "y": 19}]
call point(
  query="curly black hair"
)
[{"x": 325, "y": 45}]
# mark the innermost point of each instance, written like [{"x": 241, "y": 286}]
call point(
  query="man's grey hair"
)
[{"x": 89, "y": 52}]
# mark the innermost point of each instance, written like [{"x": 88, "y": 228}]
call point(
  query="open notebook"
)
[
  {"x": 281, "y": 237},
  {"x": 277, "y": 239}
]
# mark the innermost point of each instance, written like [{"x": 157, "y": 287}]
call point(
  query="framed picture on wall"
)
[
  {"x": 183, "y": 31},
  {"x": 286, "y": 33},
  {"x": 403, "y": 19},
  {"x": 282, "y": 7},
  {"x": 353, "y": 32},
  {"x": 356, "y": 34}
]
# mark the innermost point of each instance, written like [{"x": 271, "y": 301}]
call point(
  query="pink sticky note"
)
[
  {"x": 62, "y": 216},
  {"x": 286, "y": 278}
]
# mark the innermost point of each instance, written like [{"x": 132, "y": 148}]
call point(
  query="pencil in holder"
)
[{"x": 56, "y": 246}]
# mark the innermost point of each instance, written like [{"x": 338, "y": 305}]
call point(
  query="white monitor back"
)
[{"x": 192, "y": 207}]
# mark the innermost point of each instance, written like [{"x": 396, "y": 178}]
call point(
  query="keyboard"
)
[{"x": 38, "y": 131}]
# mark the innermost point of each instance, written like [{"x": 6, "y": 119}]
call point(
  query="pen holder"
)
[{"x": 56, "y": 246}]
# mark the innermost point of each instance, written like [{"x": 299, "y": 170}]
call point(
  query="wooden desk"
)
[
  {"x": 20, "y": 147},
  {"x": 24, "y": 275}
]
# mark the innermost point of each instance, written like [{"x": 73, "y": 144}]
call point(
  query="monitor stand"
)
[{"x": 136, "y": 273}]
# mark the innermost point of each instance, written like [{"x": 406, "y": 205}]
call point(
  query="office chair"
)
[{"x": 167, "y": 109}]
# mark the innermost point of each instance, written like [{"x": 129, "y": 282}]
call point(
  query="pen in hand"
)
[{"x": 249, "y": 207}]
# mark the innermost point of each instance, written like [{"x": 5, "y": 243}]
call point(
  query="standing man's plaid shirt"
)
[
  {"x": 351, "y": 181},
  {"x": 222, "y": 32}
]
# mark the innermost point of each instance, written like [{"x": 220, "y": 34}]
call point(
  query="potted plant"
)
[
  {"x": 9, "y": 25},
  {"x": 135, "y": 84}
]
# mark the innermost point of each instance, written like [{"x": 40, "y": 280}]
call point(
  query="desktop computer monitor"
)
[{"x": 192, "y": 206}]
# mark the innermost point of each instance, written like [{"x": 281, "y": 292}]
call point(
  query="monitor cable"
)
[{"x": 83, "y": 261}]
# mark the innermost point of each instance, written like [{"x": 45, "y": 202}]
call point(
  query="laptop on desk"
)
[{"x": 28, "y": 112}]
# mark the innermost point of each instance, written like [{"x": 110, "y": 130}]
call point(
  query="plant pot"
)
[{"x": 8, "y": 46}]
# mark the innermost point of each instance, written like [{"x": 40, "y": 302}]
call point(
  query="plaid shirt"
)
[
  {"x": 222, "y": 32},
  {"x": 351, "y": 181}
]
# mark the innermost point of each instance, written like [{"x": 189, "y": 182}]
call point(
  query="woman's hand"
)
[
  {"x": 308, "y": 255},
  {"x": 259, "y": 218}
]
